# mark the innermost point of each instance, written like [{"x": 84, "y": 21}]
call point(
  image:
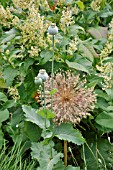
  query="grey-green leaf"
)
[
  {"x": 77, "y": 66},
  {"x": 105, "y": 119},
  {"x": 32, "y": 116},
  {"x": 3, "y": 97},
  {"x": 67, "y": 132},
  {"x": 4, "y": 115}
]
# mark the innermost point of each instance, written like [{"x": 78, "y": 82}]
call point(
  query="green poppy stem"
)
[{"x": 52, "y": 74}]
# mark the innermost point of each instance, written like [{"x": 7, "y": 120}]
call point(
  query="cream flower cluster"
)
[
  {"x": 66, "y": 19},
  {"x": 13, "y": 92},
  {"x": 96, "y": 4},
  {"x": 33, "y": 32},
  {"x": 5, "y": 16},
  {"x": 72, "y": 46},
  {"x": 106, "y": 72},
  {"x": 106, "y": 69},
  {"x": 109, "y": 45},
  {"x": 23, "y": 4}
]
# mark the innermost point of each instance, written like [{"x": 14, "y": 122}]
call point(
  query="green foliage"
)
[
  {"x": 25, "y": 48},
  {"x": 46, "y": 155},
  {"x": 32, "y": 116},
  {"x": 14, "y": 159},
  {"x": 66, "y": 132}
]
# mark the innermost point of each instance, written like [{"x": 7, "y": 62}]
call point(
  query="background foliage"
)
[{"x": 84, "y": 44}]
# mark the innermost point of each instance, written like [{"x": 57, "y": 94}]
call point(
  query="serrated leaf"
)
[
  {"x": 32, "y": 116},
  {"x": 46, "y": 155},
  {"x": 76, "y": 66},
  {"x": 67, "y": 132},
  {"x": 4, "y": 115},
  {"x": 105, "y": 119},
  {"x": 3, "y": 97},
  {"x": 59, "y": 166},
  {"x": 98, "y": 32}
]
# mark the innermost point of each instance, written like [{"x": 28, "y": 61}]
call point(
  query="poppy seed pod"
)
[
  {"x": 43, "y": 75},
  {"x": 53, "y": 29},
  {"x": 38, "y": 81}
]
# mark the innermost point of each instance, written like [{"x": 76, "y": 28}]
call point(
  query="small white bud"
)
[
  {"x": 17, "y": 126},
  {"x": 53, "y": 29},
  {"x": 38, "y": 80}
]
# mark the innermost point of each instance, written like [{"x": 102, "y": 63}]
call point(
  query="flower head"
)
[{"x": 72, "y": 101}]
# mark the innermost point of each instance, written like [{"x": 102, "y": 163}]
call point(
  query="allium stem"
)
[{"x": 65, "y": 152}]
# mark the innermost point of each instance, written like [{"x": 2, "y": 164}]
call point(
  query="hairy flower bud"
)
[{"x": 53, "y": 29}]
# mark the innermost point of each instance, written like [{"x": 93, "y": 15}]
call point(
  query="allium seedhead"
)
[{"x": 72, "y": 101}]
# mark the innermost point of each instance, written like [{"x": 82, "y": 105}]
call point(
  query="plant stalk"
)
[
  {"x": 52, "y": 74},
  {"x": 65, "y": 153}
]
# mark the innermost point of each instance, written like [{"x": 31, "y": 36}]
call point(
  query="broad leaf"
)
[
  {"x": 105, "y": 119},
  {"x": 110, "y": 93},
  {"x": 9, "y": 74},
  {"x": 70, "y": 167},
  {"x": 4, "y": 115},
  {"x": 1, "y": 138},
  {"x": 46, "y": 56},
  {"x": 3, "y": 97},
  {"x": 32, "y": 131},
  {"x": 76, "y": 66},
  {"x": 32, "y": 116},
  {"x": 2, "y": 83},
  {"x": 67, "y": 132},
  {"x": 98, "y": 32},
  {"x": 46, "y": 155},
  {"x": 88, "y": 51}
]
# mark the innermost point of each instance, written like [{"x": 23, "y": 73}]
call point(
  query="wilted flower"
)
[{"x": 72, "y": 101}]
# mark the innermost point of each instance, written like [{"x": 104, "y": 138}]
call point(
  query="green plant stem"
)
[
  {"x": 52, "y": 73},
  {"x": 84, "y": 158},
  {"x": 65, "y": 153},
  {"x": 44, "y": 106}
]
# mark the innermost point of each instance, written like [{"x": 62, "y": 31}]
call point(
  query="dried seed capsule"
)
[
  {"x": 43, "y": 75},
  {"x": 53, "y": 29}
]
